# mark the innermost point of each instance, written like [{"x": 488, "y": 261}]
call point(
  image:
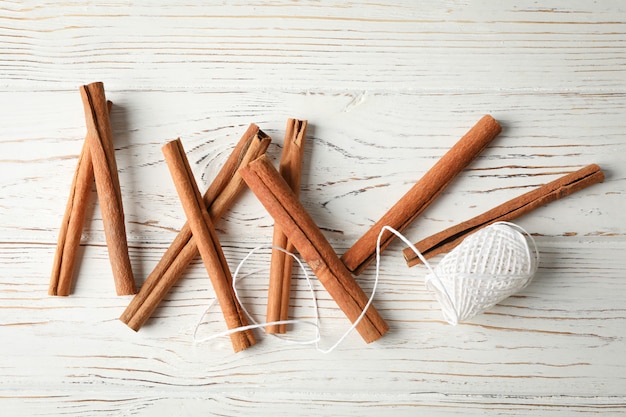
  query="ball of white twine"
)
[{"x": 487, "y": 267}]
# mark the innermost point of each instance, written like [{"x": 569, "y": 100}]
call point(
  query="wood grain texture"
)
[{"x": 386, "y": 88}]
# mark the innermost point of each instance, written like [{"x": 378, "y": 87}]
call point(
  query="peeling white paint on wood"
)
[{"x": 387, "y": 89}]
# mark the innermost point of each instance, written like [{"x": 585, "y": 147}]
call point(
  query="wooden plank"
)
[
  {"x": 387, "y": 88},
  {"x": 348, "y": 180},
  {"x": 389, "y": 46}
]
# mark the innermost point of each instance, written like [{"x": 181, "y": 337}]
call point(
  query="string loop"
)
[{"x": 488, "y": 266}]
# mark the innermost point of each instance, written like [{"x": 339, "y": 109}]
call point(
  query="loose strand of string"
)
[
  {"x": 432, "y": 279},
  {"x": 444, "y": 291},
  {"x": 280, "y": 322},
  {"x": 377, "y": 279},
  {"x": 255, "y": 324},
  {"x": 316, "y": 323}
]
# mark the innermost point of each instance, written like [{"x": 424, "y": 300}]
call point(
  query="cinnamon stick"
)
[
  {"x": 290, "y": 169},
  {"x": 208, "y": 243},
  {"x": 448, "y": 239},
  {"x": 422, "y": 194},
  {"x": 72, "y": 225},
  {"x": 282, "y": 204},
  {"x": 218, "y": 198},
  {"x": 100, "y": 143}
]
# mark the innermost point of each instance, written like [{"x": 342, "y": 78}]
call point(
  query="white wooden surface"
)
[{"x": 387, "y": 88}]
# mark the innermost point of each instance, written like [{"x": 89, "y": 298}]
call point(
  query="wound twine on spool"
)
[{"x": 487, "y": 267}]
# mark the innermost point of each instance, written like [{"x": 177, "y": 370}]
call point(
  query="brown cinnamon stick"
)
[
  {"x": 208, "y": 244},
  {"x": 290, "y": 169},
  {"x": 73, "y": 223},
  {"x": 422, "y": 194},
  {"x": 282, "y": 204},
  {"x": 218, "y": 198},
  {"x": 100, "y": 143},
  {"x": 448, "y": 239}
]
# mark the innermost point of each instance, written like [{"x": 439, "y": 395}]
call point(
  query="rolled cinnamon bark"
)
[
  {"x": 448, "y": 239},
  {"x": 73, "y": 222},
  {"x": 208, "y": 244},
  {"x": 218, "y": 198},
  {"x": 422, "y": 194},
  {"x": 100, "y": 144},
  {"x": 290, "y": 169},
  {"x": 293, "y": 219}
]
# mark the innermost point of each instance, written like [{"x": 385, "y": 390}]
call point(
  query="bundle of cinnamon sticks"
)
[
  {"x": 97, "y": 159},
  {"x": 294, "y": 229}
]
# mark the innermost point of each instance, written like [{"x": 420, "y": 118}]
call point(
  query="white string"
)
[
  {"x": 432, "y": 278},
  {"x": 449, "y": 307},
  {"x": 417, "y": 252},
  {"x": 316, "y": 322},
  {"x": 255, "y": 324},
  {"x": 377, "y": 278},
  {"x": 280, "y": 322}
]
